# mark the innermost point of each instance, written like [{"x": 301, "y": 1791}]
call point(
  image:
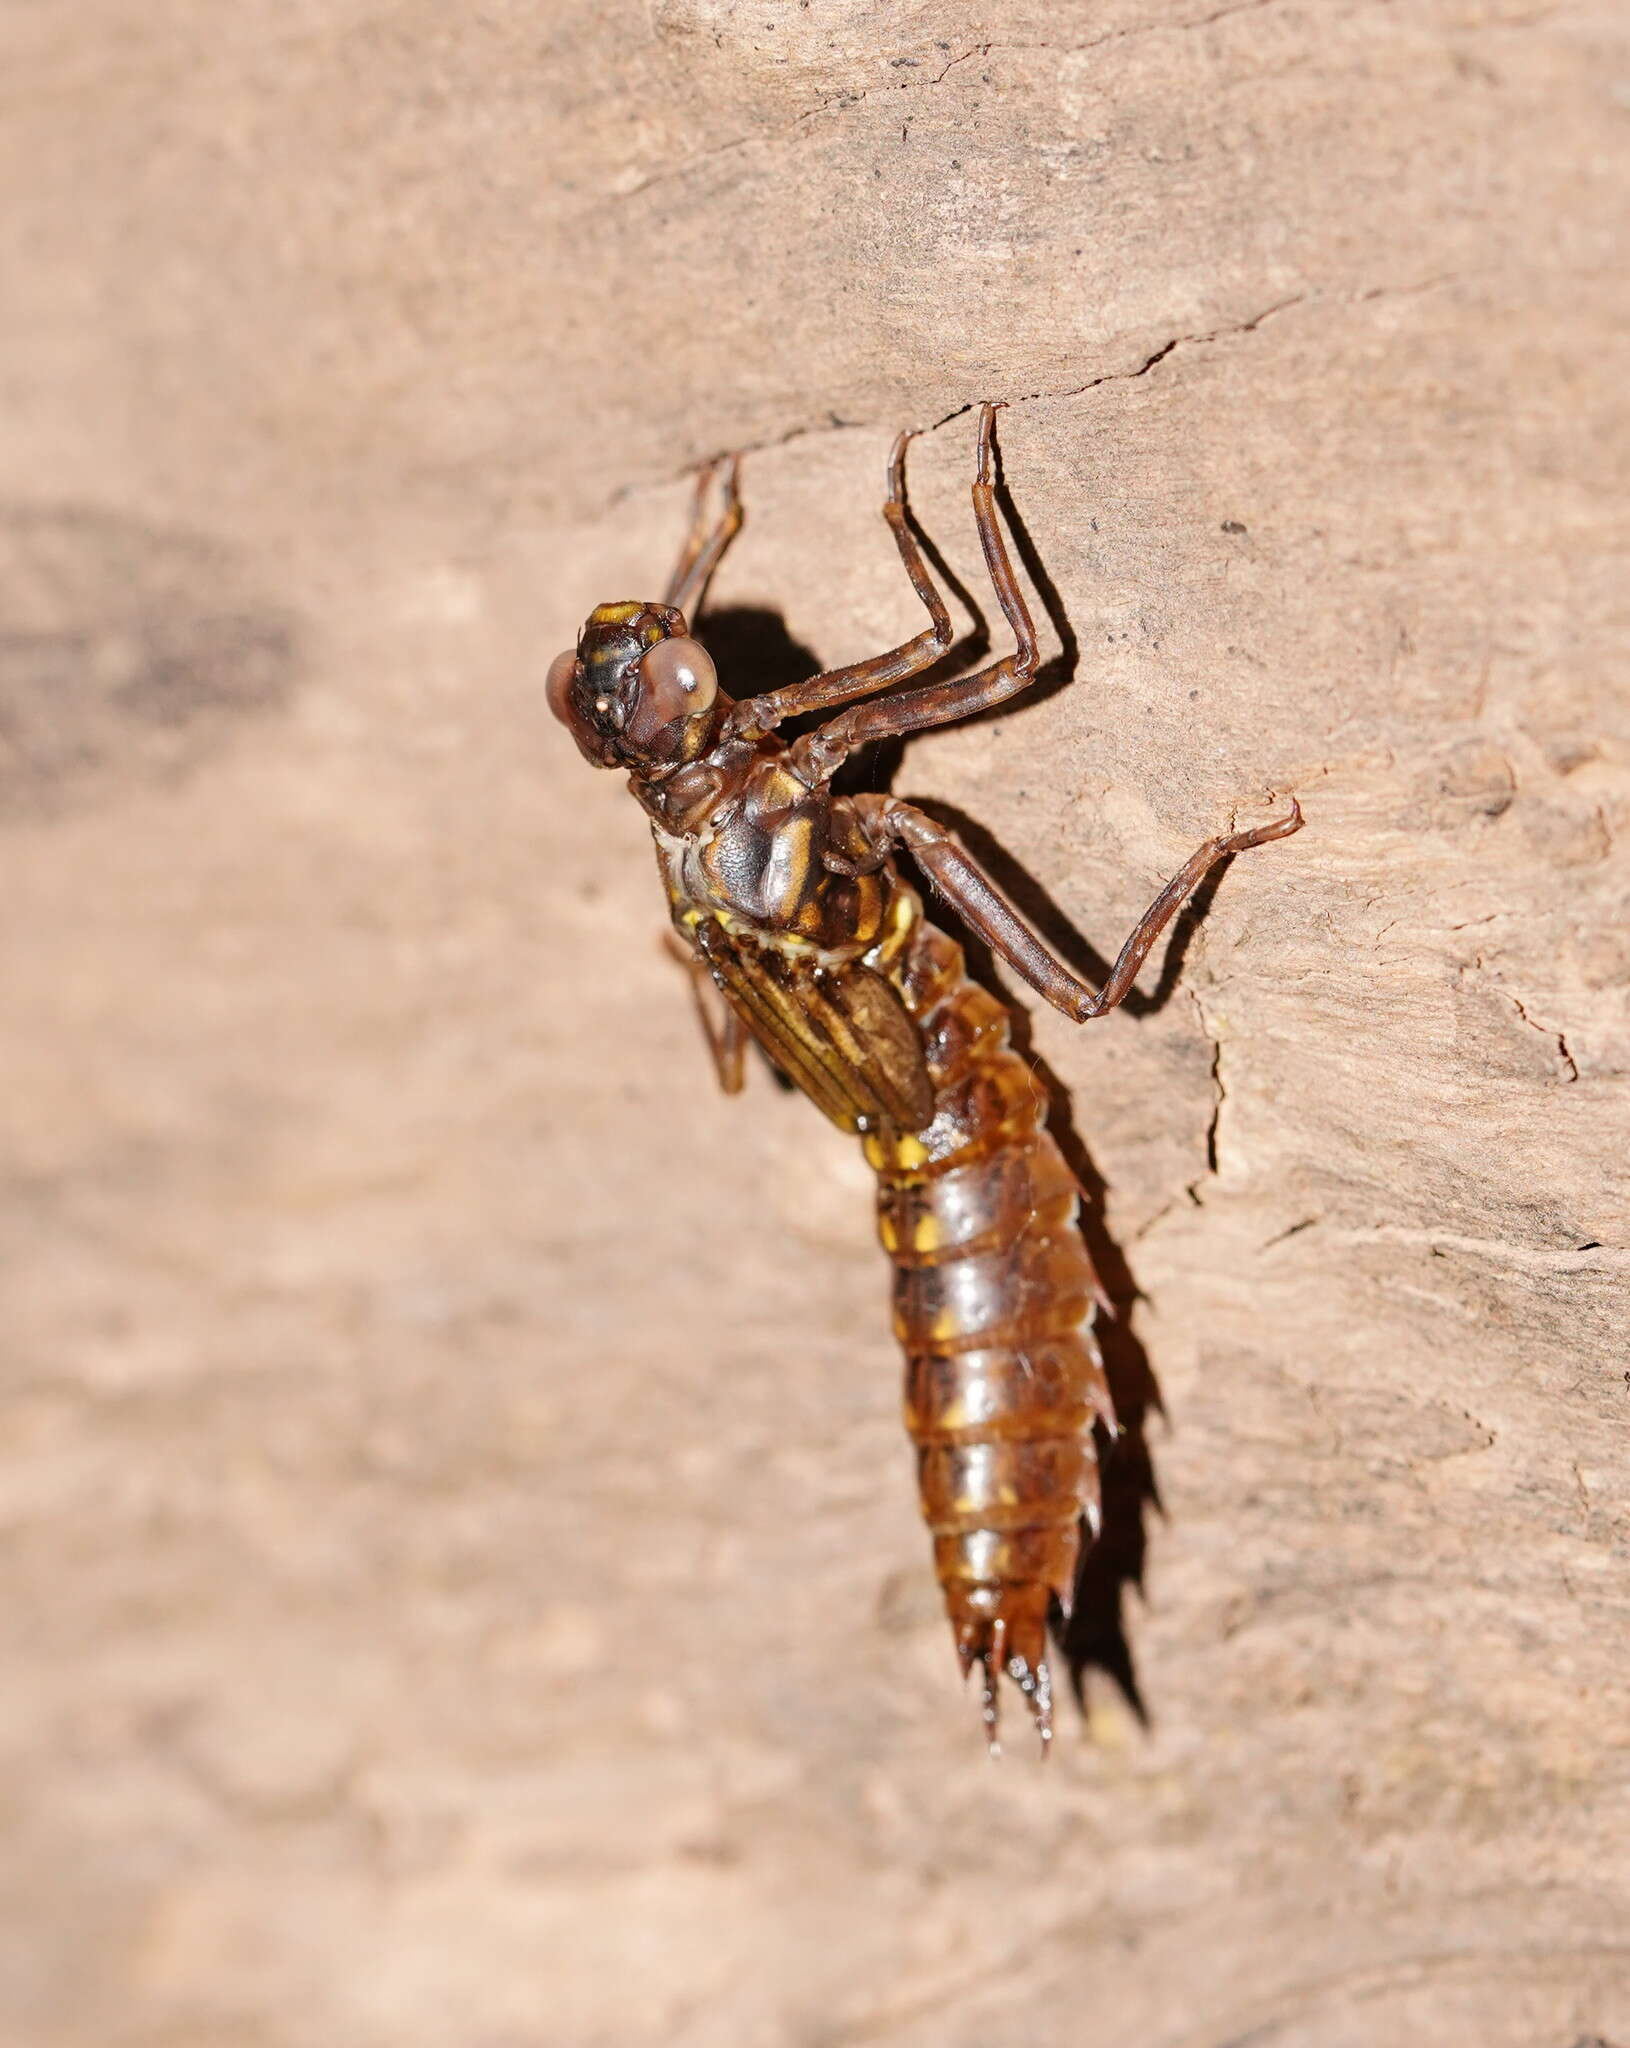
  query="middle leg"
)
[
  {"x": 818, "y": 756},
  {"x": 757, "y": 715}
]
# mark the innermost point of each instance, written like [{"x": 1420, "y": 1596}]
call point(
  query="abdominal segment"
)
[{"x": 994, "y": 1299}]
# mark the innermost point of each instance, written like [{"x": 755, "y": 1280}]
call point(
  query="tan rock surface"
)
[{"x": 461, "y": 1576}]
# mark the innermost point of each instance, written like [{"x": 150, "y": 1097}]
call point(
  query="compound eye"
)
[
  {"x": 677, "y": 680},
  {"x": 559, "y": 680}
]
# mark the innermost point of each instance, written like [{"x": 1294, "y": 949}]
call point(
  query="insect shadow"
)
[
  {"x": 754, "y": 650},
  {"x": 752, "y": 644}
]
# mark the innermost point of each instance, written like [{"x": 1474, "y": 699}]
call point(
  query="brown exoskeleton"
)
[{"x": 790, "y": 900}]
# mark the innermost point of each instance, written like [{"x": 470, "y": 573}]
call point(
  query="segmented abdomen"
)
[{"x": 994, "y": 1298}]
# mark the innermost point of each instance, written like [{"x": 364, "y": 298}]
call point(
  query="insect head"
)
[{"x": 638, "y": 692}]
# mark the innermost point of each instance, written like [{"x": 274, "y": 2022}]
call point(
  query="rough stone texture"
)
[{"x": 461, "y": 1579}]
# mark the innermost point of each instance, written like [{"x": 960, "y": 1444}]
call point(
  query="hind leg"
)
[{"x": 890, "y": 822}]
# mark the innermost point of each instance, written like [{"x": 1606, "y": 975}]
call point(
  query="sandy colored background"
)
[{"x": 461, "y": 1579}]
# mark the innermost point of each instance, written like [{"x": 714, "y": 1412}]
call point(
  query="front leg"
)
[
  {"x": 707, "y": 539},
  {"x": 971, "y": 893}
]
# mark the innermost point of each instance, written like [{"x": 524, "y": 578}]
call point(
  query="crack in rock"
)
[
  {"x": 1159, "y": 355},
  {"x": 1594, "y": 1257},
  {"x": 1293, "y": 1230},
  {"x": 835, "y": 422},
  {"x": 1568, "y": 1064},
  {"x": 1219, "y": 1094}
]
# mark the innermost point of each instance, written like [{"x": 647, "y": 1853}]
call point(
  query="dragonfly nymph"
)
[{"x": 791, "y": 901}]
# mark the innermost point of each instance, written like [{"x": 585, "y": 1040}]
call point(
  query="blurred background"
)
[{"x": 461, "y": 1574}]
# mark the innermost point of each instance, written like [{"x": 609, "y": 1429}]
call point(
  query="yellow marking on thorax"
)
[
  {"x": 788, "y": 943},
  {"x": 904, "y": 915},
  {"x": 777, "y": 788},
  {"x": 786, "y": 876}
]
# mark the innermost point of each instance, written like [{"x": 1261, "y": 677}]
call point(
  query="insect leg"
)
[
  {"x": 725, "y": 1033},
  {"x": 837, "y": 685},
  {"x": 705, "y": 543},
  {"x": 953, "y": 872},
  {"x": 820, "y": 753}
]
